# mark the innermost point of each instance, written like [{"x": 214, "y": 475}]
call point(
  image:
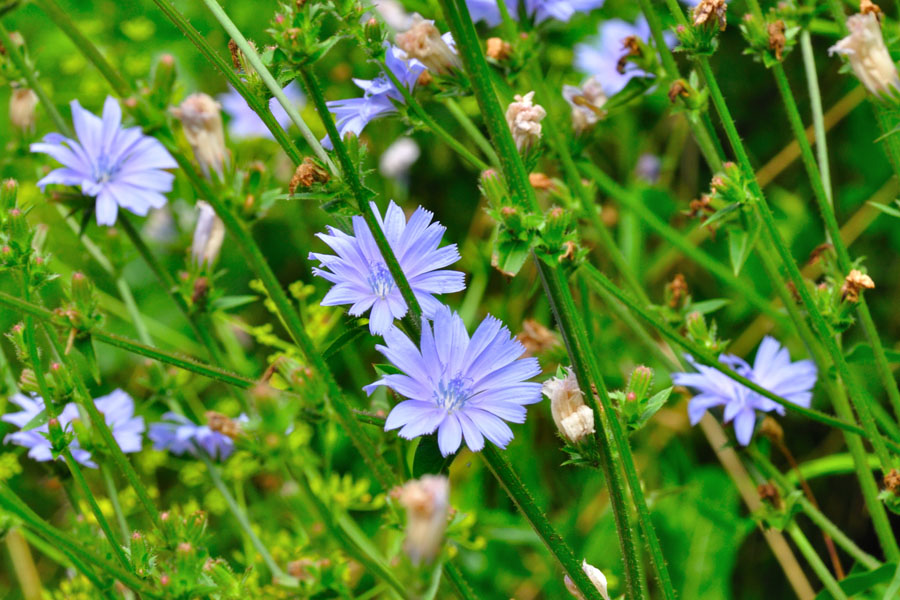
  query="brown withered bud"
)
[
  {"x": 308, "y": 173},
  {"x": 818, "y": 252},
  {"x": 677, "y": 89},
  {"x": 300, "y": 568},
  {"x": 777, "y": 39},
  {"x": 609, "y": 214},
  {"x": 793, "y": 290},
  {"x": 698, "y": 207},
  {"x": 498, "y": 49},
  {"x": 677, "y": 290},
  {"x": 201, "y": 289},
  {"x": 540, "y": 181},
  {"x": 536, "y": 338},
  {"x": 868, "y": 7},
  {"x": 632, "y": 47},
  {"x": 769, "y": 493},
  {"x": 569, "y": 252},
  {"x": 892, "y": 481},
  {"x": 235, "y": 55},
  {"x": 772, "y": 430},
  {"x": 223, "y": 424},
  {"x": 710, "y": 11},
  {"x": 425, "y": 78},
  {"x": 855, "y": 283}
]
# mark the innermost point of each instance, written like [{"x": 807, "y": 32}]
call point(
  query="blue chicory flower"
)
[
  {"x": 772, "y": 369},
  {"x": 379, "y": 95},
  {"x": 178, "y": 434},
  {"x": 244, "y": 123},
  {"x": 117, "y": 409},
  {"x": 459, "y": 386},
  {"x": 600, "y": 55},
  {"x": 539, "y": 10},
  {"x": 363, "y": 280},
  {"x": 119, "y": 167}
]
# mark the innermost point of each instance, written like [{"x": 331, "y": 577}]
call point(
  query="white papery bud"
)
[
  {"x": 524, "y": 120},
  {"x": 398, "y": 158},
  {"x": 595, "y": 575},
  {"x": 424, "y": 41},
  {"x": 22, "y": 103},
  {"x": 427, "y": 503},
  {"x": 209, "y": 232},
  {"x": 394, "y": 14},
  {"x": 572, "y": 416},
  {"x": 201, "y": 118},
  {"x": 587, "y": 104},
  {"x": 868, "y": 55}
]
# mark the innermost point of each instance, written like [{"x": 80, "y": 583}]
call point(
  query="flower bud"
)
[
  {"x": 201, "y": 119},
  {"x": 639, "y": 383},
  {"x": 209, "y": 232},
  {"x": 19, "y": 232},
  {"x": 595, "y": 575},
  {"x": 22, "y": 103},
  {"x": 524, "y": 120},
  {"x": 427, "y": 503},
  {"x": 424, "y": 42},
  {"x": 868, "y": 55},
  {"x": 696, "y": 326},
  {"x": 8, "y": 191},
  {"x": 573, "y": 418},
  {"x": 307, "y": 174},
  {"x": 587, "y": 104},
  {"x": 82, "y": 292},
  {"x": 492, "y": 187},
  {"x": 164, "y": 78}
]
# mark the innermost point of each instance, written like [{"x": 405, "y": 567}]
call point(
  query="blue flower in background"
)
[
  {"x": 379, "y": 95},
  {"x": 244, "y": 123},
  {"x": 178, "y": 434},
  {"x": 461, "y": 387},
  {"x": 601, "y": 54},
  {"x": 119, "y": 167},
  {"x": 539, "y": 10},
  {"x": 117, "y": 409},
  {"x": 772, "y": 369},
  {"x": 361, "y": 277}
]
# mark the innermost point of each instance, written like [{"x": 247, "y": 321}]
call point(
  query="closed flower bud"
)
[
  {"x": 595, "y": 575},
  {"x": 427, "y": 503},
  {"x": 424, "y": 41},
  {"x": 492, "y": 187},
  {"x": 868, "y": 55},
  {"x": 573, "y": 418},
  {"x": 587, "y": 104},
  {"x": 201, "y": 119},
  {"x": 524, "y": 120},
  {"x": 22, "y": 103},
  {"x": 82, "y": 292},
  {"x": 8, "y": 191},
  {"x": 640, "y": 381},
  {"x": 209, "y": 232},
  {"x": 164, "y": 79}
]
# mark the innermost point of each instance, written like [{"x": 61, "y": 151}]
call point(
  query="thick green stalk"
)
[
  {"x": 250, "y": 53},
  {"x": 819, "y": 567}
]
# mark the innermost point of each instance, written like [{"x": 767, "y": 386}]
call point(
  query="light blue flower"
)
[
  {"x": 461, "y": 387},
  {"x": 539, "y": 10},
  {"x": 178, "y": 434},
  {"x": 244, "y": 123},
  {"x": 772, "y": 369},
  {"x": 119, "y": 167}
]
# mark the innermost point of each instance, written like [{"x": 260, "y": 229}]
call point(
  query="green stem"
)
[
  {"x": 463, "y": 119},
  {"x": 222, "y": 17},
  {"x": 818, "y": 118},
  {"x": 110, "y": 483},
  {"x": 815, "y": 562}
]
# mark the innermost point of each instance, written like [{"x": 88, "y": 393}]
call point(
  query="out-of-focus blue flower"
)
[
  {"x": 600, "y": 55},
  {"x": 361, "y": 277},
  {"x": 244, "y": 123},
  {"x": 459, "y": 386},
  {"x": 118, "y": 167},
  {"x": 178, "y": 434},
  {"x": 772, "y": 369},
  {"x": 539, "y": 10},
  {"x": 117, "y": 409},
  {"x": 379, "y": 95}
]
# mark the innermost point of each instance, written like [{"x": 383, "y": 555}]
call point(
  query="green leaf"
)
[
  {"x": 344, "y": 339},
  {"x": 428, "y": 458},
  {"x": 38, "y": 420},
  {"x": 656, "y": 402},
  {"x": 890, "y": 210},
  {"x": 859, "y": 582},
  {"x": 894, "y": 590},
  {"x": 85, "y": 345},
  {"x": 863, "y": 353},
  {"x": 707, "y": 306},
  {"x": 231, "y": 302}
]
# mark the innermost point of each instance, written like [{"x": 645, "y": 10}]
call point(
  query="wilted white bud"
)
[
  {"x": 427, "y": 503},
  {"x": 22, "y": 103},
  {"x": 524, "y": 120},
  {"x": 595, "y": 575},
  {"x": 201, "y": 119},
  {"x": 398, "y": 158},
  {"x": 209, "y": 233},
  {"x": 424, "y": 41},
  {"x": 394, "y": 14},
  {"x": 572, "y": 416},
  {"x": 587, "y": 104},
  {"x": 868, "y": 55}
]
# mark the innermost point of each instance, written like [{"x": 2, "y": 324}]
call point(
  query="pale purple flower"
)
[
  {"x": 178, "y": 434},
  {"x": 461, "y": 387},
  {"x": 362, "y": 278},
  {"x": 379, "y": 95},
  {"x": 117, "y": 166},
  {"x": 117, "y": 409},
  {"x": 539, "y": 10},
  {"x": 772, "y": 369},
  {"x": 244, "y": 123},
  {"x": 600, "y": 55}
]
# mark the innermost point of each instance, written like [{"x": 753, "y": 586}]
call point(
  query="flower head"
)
[
  {"x": 201, "y": 119},
  {"x": 539, "y": 10},
  {"x": 22, "y": 102},
  {"x": 573, "y": 418},
  {"x": 178, "y": 434},
  {"x": 587, "y": 104},
  {"x": 362, "y": 278},
  {"x": 246, "y": 124},
  {"x": 524, "y": 120},
  {"x": 424, "y": 42},
  {"x": 427, "y": 504},
  {"x": 772, "y": 369},
  {"x": 118, "y": 167},
  {"x": 462, "y": 387},
  {"x": 868, "y": 56}
]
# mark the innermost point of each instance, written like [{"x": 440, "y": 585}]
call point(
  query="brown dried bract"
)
[
  {"x": 868, "y": 7},
  {"x": 536, "y": 338},
  {"x": 677, "y": 290},
  {"x": 892, "y": 481},
  {"x": 223, "y": 424},
  {"x": 769, "y": 493},
  {"x": 633, "y": 48},
  {"x": 235, "y": 55},
  {"x": 698, "y": 207},
  {"x": 498, "y": 49},
  {"x": 854, "y": 283},
  {"x": 425, "y": 78},
  {"x": 818, "y": 252},
  {"x": 710, "y": 11},
  {"x": 777, "y": 40},
  {"x": 771, "y": 429},
  {"x": 540, "y": 181},
  {"x": 678, "y": 89},
  {"x": 569, "y": 252},
  {"x": 307, "y": 174}
]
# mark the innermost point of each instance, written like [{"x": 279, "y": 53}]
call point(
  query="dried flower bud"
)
[
  {"x": 677, "y": 291},
  {"x": 308, "y": 173},
  {"x": 769, "y": 493},
  {"x": 868, "y": 55},
  {"x": 424, "y": 42},
  {"x": 892, "y": 481},
  {"x": 209, "y": 232},
  {"x": 22, "y": 103},
  {"x": 536, "y": 338},
  {"x": 573, "y": 418},
  {"x": 524, "y": 120},
  {"x": 771, "y": 429},
  {"x": 867, "y": 7},
  {"x": 595, "y": 575},
  {"x": 540, "y": 181},
  {"x": 498, "y": 49},
  {"x": 427, "y": 503},
  {"x": 777, "y": 39},
  {"x": 201, "y": 119},
  {"x": 710, "y": 11},
  {"x": 223, "y": 424},
  {"x": 854, "y": 283},
  {"x": 587, "y": 104}
]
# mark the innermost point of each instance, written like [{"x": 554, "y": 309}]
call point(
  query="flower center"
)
[
  {"x": 103, "y": 171},
  {"x": 453, "y": 394},
  {"x": 380, "y": 280}
]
